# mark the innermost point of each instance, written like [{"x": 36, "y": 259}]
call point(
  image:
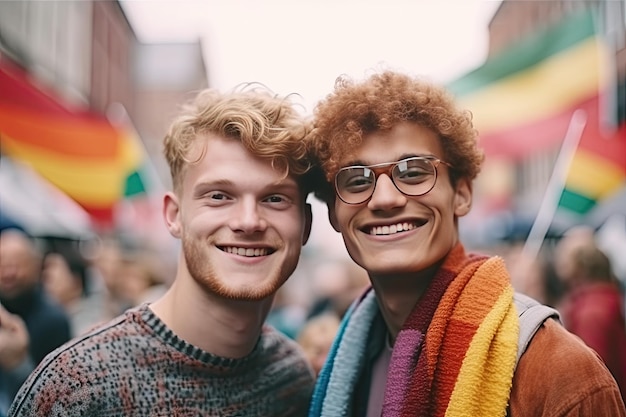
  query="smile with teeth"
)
[
  {"x": 392, "y": 229},
  {"x": 251, "y": 252}
]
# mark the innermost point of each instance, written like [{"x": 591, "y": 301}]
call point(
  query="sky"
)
[{"x": 301, "y": 46}]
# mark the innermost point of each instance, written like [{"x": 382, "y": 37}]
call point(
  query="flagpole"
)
[{"x": 555, "y": 186}]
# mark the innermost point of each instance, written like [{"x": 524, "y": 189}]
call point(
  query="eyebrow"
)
[
  {"x": 284, "y": 185},
  {"x": 360, "y": 162},
  {"x": 199, "y": 189}
]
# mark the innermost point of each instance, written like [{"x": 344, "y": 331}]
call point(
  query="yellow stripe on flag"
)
[
  {"x": 593, "y": 176},
  {"x": 545, "y": 89},
  {"x": 131, "y": 154},
  {"x": 98, "y": 183}
]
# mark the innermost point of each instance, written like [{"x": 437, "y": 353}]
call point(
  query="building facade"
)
[{"x": 82, "y": 59}]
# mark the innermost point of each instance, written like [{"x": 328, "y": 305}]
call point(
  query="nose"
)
[
  {"x": 386, "y": 196},
  {"x": 248, "y": 217}
]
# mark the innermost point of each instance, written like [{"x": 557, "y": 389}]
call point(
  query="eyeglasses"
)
[{"x": 413, "y": 176}]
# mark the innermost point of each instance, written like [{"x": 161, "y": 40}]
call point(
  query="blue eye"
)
[
  {"x": 217, "y": 196},
  {"x": 278, "y": 201},
  {"x": 275, "y": 199}
]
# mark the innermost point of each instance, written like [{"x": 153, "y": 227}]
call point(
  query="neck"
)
[
  {"x": 222, "y": 327},
  {"x": 397, "y": 295}
]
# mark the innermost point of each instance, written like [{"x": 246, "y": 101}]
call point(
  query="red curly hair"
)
[{"x": 382, "y": 101}]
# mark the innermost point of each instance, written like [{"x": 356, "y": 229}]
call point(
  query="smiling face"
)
[
  {"x": 242, "y": 224},
  {"x": 393, "y": 233}
]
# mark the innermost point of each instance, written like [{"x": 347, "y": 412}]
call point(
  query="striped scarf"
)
[{"x": 454, "y": 356}]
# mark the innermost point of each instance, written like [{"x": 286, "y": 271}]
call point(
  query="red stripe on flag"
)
[
  {"x": 528, "y": 139},
  {"x": 102, "y": 217},
  {"x": 17, "y": 89}
]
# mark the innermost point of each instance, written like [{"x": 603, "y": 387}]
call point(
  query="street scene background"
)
[{"x": 88, "y": 89}]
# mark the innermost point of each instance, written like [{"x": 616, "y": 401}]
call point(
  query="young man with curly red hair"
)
[{"x": 438, "y": 332}]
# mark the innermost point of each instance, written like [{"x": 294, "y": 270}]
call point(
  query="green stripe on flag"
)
[
  {"x": 575, "y": 202},
  {"x": 527, "y": 53},
  {"x": 134, "y": 185}
]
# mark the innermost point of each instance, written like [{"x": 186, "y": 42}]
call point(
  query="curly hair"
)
[
  {"x": 267, "y": 125},
  {"x": 379, "y": 103}
]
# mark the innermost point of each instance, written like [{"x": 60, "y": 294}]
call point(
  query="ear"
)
[
  {"x": 463, "y": 197},
  {"x": 171, "y": 214},
  {"x": 308, "y": 221},
  {"x": 332, "y": 215}
]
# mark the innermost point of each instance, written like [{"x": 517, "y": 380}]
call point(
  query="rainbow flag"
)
[
  {"x": 82, "y": 154},
  {"x": 523, "y": 99},
  {"x": 598, "y": 168}
]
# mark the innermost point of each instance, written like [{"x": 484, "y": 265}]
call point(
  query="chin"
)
[
  {"x": 387, "y": 270},
  {"x": 245, "y": 296},
  {"x": 398, "y": 265},
  {"x": 255, "y": 292}
]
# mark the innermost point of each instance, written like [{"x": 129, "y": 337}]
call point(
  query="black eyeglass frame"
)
[{"x": 387, "y": 168}]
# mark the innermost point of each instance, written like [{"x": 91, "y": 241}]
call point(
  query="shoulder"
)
[
  {"x": 77, "y": 372},
  {"x": 114, "y": 339},
  {"x": 557, "y": 358},
  {"x": 288, "y": 375},
  {"x": 275, "y": 342},
  {"x": 280, "y": 349}
]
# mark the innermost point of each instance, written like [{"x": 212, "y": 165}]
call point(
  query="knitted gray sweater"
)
[{"x": 136, "y": 366}]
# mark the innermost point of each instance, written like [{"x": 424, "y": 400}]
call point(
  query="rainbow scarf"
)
[{"x": 455, "y": 355}]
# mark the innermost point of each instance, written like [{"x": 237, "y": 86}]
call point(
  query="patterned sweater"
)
[{"x": 136, "y": 366}]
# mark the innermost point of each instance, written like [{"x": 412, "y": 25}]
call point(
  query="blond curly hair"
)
[
  {"x": 383, "y": 100},
  {"x": 268, "y": 126}
]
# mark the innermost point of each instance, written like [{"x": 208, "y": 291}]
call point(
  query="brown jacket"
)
[{"x": 559, "y": 376}]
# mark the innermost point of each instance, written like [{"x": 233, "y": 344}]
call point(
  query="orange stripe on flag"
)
[{"x": 78, "y": 137}]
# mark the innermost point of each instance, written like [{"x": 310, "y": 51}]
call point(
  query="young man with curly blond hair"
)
[
  {"x": 240, "y": 182},
  {"x": 438, "y": 332}
]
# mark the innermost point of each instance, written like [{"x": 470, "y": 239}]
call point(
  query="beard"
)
[{"x": 204, "y": 274}]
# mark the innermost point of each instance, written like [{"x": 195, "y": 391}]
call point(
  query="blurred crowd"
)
[
  {"x": 52, "y": 291},
  {"x": 576, "y": 275}
]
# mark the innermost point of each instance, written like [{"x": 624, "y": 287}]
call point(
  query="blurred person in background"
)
[
  {"x": 141, "y": 281},
  {"x": 21, "y": 293},
  {"x": 529, "y": 275},
  {"x": 565, "y": 249},
  {"x": 593, "y": 305},
  {"x": 286, "y": 315},
  {"x": 107, "y": 263},
  {"x": 240, "y": 180},
  {"x": 31, "y": 324},
  {"x": 316, "y": 337},
  {"x": 439, "y": 332},
  {"x": 64, "y": 278},
  {"x": 336, "y": 284},
  {"x": 15, "y": 362}
]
